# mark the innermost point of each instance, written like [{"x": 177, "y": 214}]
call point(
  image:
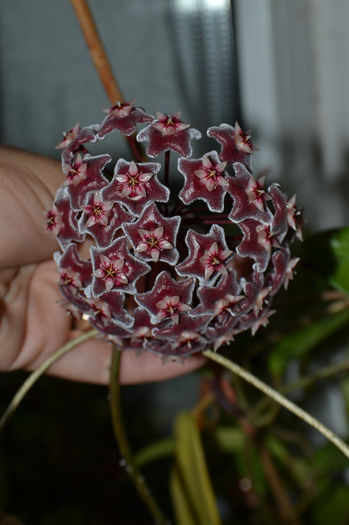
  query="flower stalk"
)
[
  {"x": 34, "y": 376},
  {"x": 102, "y": 64},
  {"x": 121, "y": 438},
  {"x": 96, "y": 49},
  {"x": 280, "y": 399}
]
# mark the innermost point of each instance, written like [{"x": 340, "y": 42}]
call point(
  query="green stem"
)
[
  {"x": 309, "y": 380},
  {"x": 279, "y": 398},
  {"x": 34, "y": 376},
  {"x": 120, "y": 434},
  {"x": 303, "y": 382}
]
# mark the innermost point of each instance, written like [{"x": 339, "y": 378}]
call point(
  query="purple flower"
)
[
  {"x": 135, "y": 185},
  {"x": 89, "y": 177},
  {"x": 74, "y": 140},
  {"x": 115, "y": 268},
  {"x": 236, "y": 144},
  {"x": 153, "y": 236},
  {"x": 208, "y": 254},
  {"x": 123, "y": 116},
  {"x": 162, "y": 272},
  {"x": 205, "y": 179},
  {"x": 168, "y": 298},
  {"x": 102, "y": 219},
  {"x": 168, "y": 132}
]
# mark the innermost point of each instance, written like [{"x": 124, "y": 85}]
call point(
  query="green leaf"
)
[
  {"x": 344, "y": 385},
  {"x": 340, "y": 249},
  {"x": 327, "y": 460},
  {"x": 297, "y": 344},
  {"x": 298, "y": 467},
  {"x": 249, "y": 465},
  {"x": 183, "y": 512},
  {"x": 327, "y": 254},
  {"x": 192, "y": 470},
  {"x": 157, "y": 450},
  {"x": 229, "y": 439},
  {"x": 333, "y": 508}
]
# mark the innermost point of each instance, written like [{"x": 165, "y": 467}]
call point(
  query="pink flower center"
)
[
  {"x": 152, "y": 241},
  {"x": 213, "y": 260},
  {"x": 51, "y": 220},
  {"x": 171, "y": 307},
  {"x": 133, "y": 180},
  {"x": 98, "y": 210},
  {"x": 110, "y": 271}
]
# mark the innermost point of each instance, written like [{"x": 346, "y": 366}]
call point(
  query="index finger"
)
[{"x": 28, "y": 184}]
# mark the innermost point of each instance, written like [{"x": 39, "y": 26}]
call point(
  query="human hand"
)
[{"x": 33, "y": 323}]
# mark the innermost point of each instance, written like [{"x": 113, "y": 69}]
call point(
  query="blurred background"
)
[{"x": 280, "y": 68}]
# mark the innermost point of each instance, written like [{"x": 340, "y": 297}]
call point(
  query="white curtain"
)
[{"x": 294, "y": 74}]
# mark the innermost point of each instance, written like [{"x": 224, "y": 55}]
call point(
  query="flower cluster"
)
[{"x": 161, "y": 272}]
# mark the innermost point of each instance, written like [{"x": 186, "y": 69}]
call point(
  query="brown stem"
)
[
  {"x": 278, "y": 488},
  {"x": 97, "y": 50},
  {"x": 135, "y": 148},
  {"x": 102, "y": 64}
]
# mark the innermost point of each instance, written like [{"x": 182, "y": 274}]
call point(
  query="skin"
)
[{"x": 33, "y": 324}]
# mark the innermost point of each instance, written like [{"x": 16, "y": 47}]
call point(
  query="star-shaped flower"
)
[
  {"x": 115, "y": 301},
  {"x": 114, "y": 268},
  {"x": 222, "y": 331},
  {"x": 248, "y": 195},
  {"x": 251, "y": 286},
  {"x": 142, "y": 330},
  {"x": 74, "y": 140},
  {"x": 168, "y": 132},
  {"x": 255, "y": 321},
  {"x": 219, "y": 299},
  {"x": 283, "y": 267},
  {"x": 97, "y": 318},
  {"x": 280, "y": 217},
  {"x": 208, "y": 254},
  {"x": 66, "y": 219},
  {"x": 236, "y": 144},
  {"x": 291, "y": 212},
  {"x": 69, "y": 137},
  {"x": 75, "y": 276},
  {"x": 112, "y": 271},
  {"x": 76, "y": 172},
  {"x": 97, "y": 210},
  {"x": 123, "y": 116},
  {"x": 136, "y": 185},
  {"x": 168, "y": 298},
  {"x": 170, "y": 307},
  {"x": 185, "y": 324},
  {"x": 92, "y": 181},
  {"x": 153, "y": 236},
  {"x": 256, "y": 243},
  {"x": 189, "y": 342},
  {"x": 102, "y": 219},
  {"x": 53, "y": 220},
  {"x": 290, "y": 271},
  {"x": 186, "y": 336},
  {"x": 205, "y": 179},
  {"x": 213, "y": 260}
]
